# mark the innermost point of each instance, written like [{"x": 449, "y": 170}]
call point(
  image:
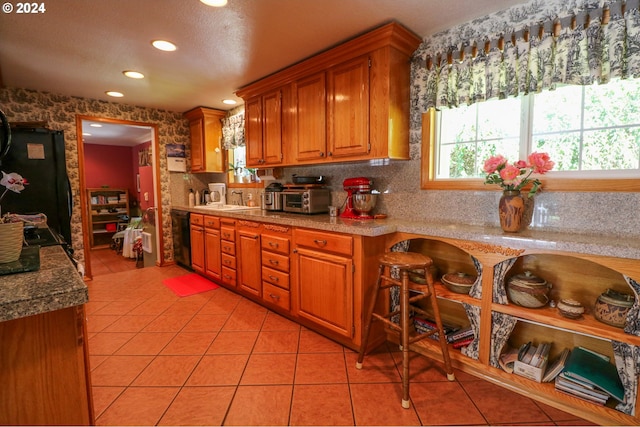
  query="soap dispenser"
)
[
  {"x": 250, "y": 202},
  {"x": 197, "y": 197},
  {"x": 192, "y": 198}
]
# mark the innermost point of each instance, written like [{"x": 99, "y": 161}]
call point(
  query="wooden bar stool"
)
[{"x": 405, "y": 261}]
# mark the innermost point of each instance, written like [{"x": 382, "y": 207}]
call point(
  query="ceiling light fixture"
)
[
  {"x": 229, "y": 101},
  {"x": 215, "y": 3},
  {"x": 133, "y": 74},
  {"x": 164, "y": 45},
  {"x": 114, "y": 94}
]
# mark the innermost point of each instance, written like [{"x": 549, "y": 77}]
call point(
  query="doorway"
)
[{"x": 120, "y": 194}]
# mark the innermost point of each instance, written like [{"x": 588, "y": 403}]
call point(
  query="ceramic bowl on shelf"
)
[
  {"x": 570, "y": 308},
  {"x": 417, "y": 275},
  {"x": 460, "y": 283},
  {"x": 612, "y": 307},
  {"x": 528, "y": 290}
]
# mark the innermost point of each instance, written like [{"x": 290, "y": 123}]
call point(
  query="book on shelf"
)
[
  {"x": 460, "y": 334},
  {"x": 565, "y": 383},
  {"x": 590, "y": 367},
  {"x": 462, "y": 342},
  {"x": 507, "y": 359},
  {"x": 583, "y": 397},
  {"x": 541, "y": 354},
  {"x": 556, "y": 366},
  {"x": 527, "y": 351}
]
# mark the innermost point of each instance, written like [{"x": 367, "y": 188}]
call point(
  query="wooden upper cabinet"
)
[
  {"x": 205, "y": 128},
  {"x": 348, "y": 107},
  {"x": 310, "y": 119},
  {"x": 347, "y": 103},
  {"x": 263, "y": 122}
]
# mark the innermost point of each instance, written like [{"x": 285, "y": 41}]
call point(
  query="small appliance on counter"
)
[
  {"x": 217, "y": 194},
  {"x": 306, "y": 200},
  {"x": 361, "y": 198},
  {"x": 271, "y": 197}
]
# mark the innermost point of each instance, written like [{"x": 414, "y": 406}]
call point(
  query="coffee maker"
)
[{"x": 360, "y": 200}]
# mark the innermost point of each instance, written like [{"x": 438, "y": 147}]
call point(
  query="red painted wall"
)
[{"x": 109, "y": 165}]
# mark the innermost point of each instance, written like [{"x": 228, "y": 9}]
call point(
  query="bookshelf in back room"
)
[
  {"x": 499, "y": 324},
  {"x": 107, "y": 206}
]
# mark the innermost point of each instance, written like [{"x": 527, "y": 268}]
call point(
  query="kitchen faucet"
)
[{"x": 238, "y": 192}]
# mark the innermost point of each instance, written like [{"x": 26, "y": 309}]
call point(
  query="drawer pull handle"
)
[
  {"x": 320, "y": 242},
  {"x": 274, "y": 278},
  {"x": 273, "y": 244},
  {"x": 226, "y": 276},
  {"x": 275, "y": 297},
  {"x": 226, "y": 261},
  {"x": 227, "y": 235},
  {"x": 273, "y": 261}
]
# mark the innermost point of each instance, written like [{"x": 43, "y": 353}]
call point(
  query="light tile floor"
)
[{"x": 217, "y": 358}]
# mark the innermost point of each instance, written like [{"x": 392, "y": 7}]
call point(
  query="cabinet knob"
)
[
  {"x": 330, "y": 154},
  {"x": 321, "y": 154}
]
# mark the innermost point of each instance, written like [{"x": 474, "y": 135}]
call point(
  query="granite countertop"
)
[
  {"x": 56, "y": 285},
  {"x": 593, "y": 244}
]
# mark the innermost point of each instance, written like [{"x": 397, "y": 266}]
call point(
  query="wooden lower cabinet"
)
[
  {"x": 196, "y": 230},
  {"x": 249, "y": 257},
  {"x": 213, "y": 255},
  {"x": 228, "y": 252},
  {"x": 275, "y": 244},
  {"x": 44, "y": 370}
]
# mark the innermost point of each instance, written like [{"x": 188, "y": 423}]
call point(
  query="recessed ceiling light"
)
[
  {"x": 114, "y": 94},
  {"x": 229, "y": 101},
  {"x": 95, "y": 125},
  {"x": 164, "y": 45},
  {"x": 215, "y": 3},
  {"x": 133, "y": 74}
]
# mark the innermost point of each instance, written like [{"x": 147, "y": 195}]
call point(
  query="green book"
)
[{"x": 586, "y": 366}]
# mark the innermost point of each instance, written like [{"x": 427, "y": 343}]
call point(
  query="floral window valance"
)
[
  {"x": 576, "y": 43},
  {"x": 233, "y": 131}
]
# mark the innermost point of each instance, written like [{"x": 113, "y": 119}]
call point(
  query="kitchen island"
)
[
  {"x": 318, "y": 270},
  {"x": 44, "y": 364}
]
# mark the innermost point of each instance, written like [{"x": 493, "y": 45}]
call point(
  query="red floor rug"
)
[{"x": 189, "y": 284}]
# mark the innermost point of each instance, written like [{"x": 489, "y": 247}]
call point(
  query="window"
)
[{"x": 592, "y": 133}]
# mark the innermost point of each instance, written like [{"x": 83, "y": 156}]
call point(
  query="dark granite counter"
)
[
  {"x": 56, "y": 285},
  {"x": 593, "y": 244}
]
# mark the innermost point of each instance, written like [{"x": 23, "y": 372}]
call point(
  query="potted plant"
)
[{"x": 11, "y": 229}]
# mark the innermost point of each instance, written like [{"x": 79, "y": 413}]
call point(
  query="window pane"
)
[
  {"x": 557, "y": 110},
  {"x": 458, "y": 125},
  {"x": 499, "y": 118},
  {"x": 614, "y": 104},
  {"x": 563, "y": 148},
  {"x": 611, "y": 149},
  {"x": 458, "y": 160}
]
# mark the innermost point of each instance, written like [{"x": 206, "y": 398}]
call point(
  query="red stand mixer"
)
[{"x": 360, "y": 201}]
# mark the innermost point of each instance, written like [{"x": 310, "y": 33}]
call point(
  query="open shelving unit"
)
[{"x": 106, "y": 208}]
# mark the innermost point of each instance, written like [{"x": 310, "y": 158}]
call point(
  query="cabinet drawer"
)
[
  {"x": 275, "y": 277},
  {"x": 228, "y": 247},
  {"x": 342, "y": 244},
  {"x": 211, "y": 222},
  {"x": 228, "y": 276},
  {"x": 228, "y": 233},
  {"x": 275, "y": 295},
  {"x": 196, "y": 219},
  {"x": 228, "y": 261},
  {"x": 279, "y": 262},
  {"x": 275, "y": 244}
]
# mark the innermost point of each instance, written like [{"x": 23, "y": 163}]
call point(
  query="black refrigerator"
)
[{"x": 37, "y": 154}]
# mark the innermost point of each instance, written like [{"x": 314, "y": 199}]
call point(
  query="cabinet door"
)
[
  {"x": 272, "y": 127},
  {"x": 196, "y": 129},
  {"x": 325, "y": 290},
  {"x": 311, "y": 126},
  {"x": 253, "y": 130},
  {"x": 213, "y": 261},
  {"x": 348, "y": 108},
  {"x": 249, "y": 260},
  {"x": 197, "y": 248}
]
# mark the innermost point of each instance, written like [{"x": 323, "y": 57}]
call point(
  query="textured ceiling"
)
[{"x": 81, "y": 47}]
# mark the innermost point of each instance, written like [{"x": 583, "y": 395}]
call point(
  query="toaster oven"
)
[{"x": 306, "y": 201}]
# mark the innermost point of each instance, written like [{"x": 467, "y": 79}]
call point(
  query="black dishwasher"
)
[{"x": 181, "y": 237}]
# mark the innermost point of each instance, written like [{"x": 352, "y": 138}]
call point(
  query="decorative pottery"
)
[
  {"x": 612, "y": 307},
  {"x": 417, "y": 275},
  {"x": 460, "y": 283},
  {"x": 528, "y": 290},
  {"x": 11, "y": 238},
  {"x": 515, "y": 211},
  {"x": 570, "y": 308}
]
